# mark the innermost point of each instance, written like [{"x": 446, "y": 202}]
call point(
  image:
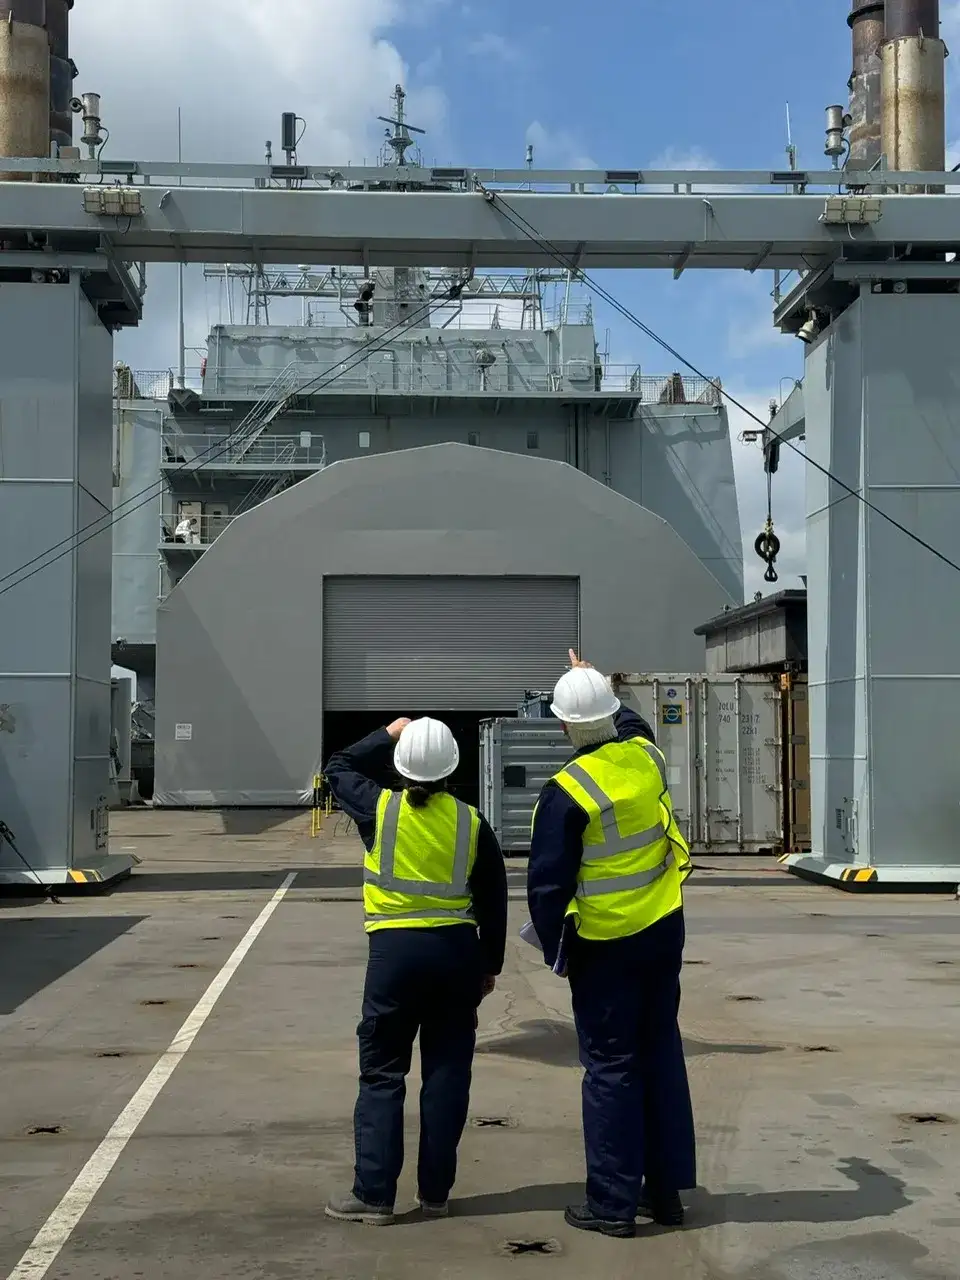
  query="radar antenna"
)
[{"x": 400, "y": 141}]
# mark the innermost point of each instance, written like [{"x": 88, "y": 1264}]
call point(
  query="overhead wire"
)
[
  {"x": 153, "y": 491},
  {"x": 527, "y": 228}
]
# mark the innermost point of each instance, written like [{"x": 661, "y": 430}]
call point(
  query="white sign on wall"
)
[{"x": 184, "y": 733}]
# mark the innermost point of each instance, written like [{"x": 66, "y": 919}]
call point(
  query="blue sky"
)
[{"x": 642, "y": 86}]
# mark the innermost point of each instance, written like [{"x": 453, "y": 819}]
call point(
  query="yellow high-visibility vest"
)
[
  {"x": 417, "y": 873},
  {"x": 635, "y": 858}
]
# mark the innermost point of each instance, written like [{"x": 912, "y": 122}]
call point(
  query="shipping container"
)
[
  {"x": 722, "y": 737},
  {"x": 517, "y": 757},
  {"x": 796, "y": 737}
]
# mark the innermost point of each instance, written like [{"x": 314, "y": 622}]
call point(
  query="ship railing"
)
[
  {"x": 383, "y": 373},
  {"x": 465, "y": 373},
  {"x": 675, "y": 388},
  {"x": 578, "y": 313},
  {"x": 190, "y": 451},
  {"x": 152, "y": 384},
  {"x": 205, "y": 531}
]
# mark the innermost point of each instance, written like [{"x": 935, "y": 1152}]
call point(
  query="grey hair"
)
[{"x": 594, "y": 734}]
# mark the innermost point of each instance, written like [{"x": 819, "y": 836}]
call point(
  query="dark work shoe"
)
[
  {"x": 667, "y": 1210},
  {"x": 350, "y": 1209},
  {"x": 583, "y": 1218},
  {"x": 435, "y": 1208}
]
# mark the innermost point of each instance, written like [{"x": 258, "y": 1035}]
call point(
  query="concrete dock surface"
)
[{"x": 822, "y": 1033}]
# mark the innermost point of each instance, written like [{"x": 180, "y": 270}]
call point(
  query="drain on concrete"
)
[
  {"x": 113, "y": 1053},
  {"x": 686, "y": 962},
  {"x": 213, "y": 938},
  {"x": 186, "y": 966},
  {"x": 819, "y": 1048},
  {"x": 493, "y": 1122},
  {"x": 149, "y": 1004},
  {"x": 927, "y": 1117},
  {"x": 517, "y": 1248},
  {"x": 745, "y": 999},
  {"x": 36, "y": 1129}
]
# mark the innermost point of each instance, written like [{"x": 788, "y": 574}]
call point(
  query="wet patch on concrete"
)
[
  {"x": 874, "y": 1193},
  {"x": 881, "y": 1255}
]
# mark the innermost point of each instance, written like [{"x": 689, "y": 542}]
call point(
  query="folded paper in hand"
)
[{"x": 529, "y": 934}]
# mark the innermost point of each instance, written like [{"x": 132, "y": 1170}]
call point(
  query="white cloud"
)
[
  {"x": 233, "y": 69},
  {"x": 558, "y": 148},
  {"x": 492, "y": 45},
  {"x": 689, "y": 158}
]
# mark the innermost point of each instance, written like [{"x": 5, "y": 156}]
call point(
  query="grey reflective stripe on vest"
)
[
  {"x": 457, "y": 887},
  {"x": 617, "y": 884},
  {"x": 613, "y": 842},
  {"x": 438, "y": 913}
]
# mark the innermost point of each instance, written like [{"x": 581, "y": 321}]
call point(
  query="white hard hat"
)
[
  {"x": 583, "y": 696},
  {"x": 426, "y": 751}
]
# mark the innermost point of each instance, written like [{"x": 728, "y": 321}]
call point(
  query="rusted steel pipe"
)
[{"x": 866, "y": 22}]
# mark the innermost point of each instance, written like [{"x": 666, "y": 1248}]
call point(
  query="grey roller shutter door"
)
[{"x": 444, "y": 643}]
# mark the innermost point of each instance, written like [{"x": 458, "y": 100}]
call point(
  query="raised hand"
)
[
  {"x": 578, "y": 662},
  {"x": 397, "y": 728}
]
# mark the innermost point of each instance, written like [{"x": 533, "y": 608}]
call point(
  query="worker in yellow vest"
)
[
  {"x": 607, "y": 865},
  {"x": 435, "y": 902}
]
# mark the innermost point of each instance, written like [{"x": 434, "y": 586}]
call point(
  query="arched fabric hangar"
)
[{"x": 447, "y": 579}]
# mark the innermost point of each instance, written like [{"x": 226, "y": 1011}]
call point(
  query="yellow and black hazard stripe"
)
[
  {"x": 84, "y": 877},
  {"x": 858, "y": 875}
]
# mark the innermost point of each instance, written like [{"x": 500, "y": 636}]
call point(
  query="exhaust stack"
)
[
  {"x": 62, "y": 72},
  {"x": 914, "y": 124},
  {"x": 24, "y": 80},
  {"x": 866, "y": 22}
]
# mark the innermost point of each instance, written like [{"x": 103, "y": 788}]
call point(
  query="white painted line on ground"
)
[{"x": 61, "y": 1224}]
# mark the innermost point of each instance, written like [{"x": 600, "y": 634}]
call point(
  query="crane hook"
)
[{"x": 767, "y": 547}]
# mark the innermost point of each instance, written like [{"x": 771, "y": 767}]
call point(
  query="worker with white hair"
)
[
  {"x": 607, "y": 865},
  {"x": 435, "y": 902}
]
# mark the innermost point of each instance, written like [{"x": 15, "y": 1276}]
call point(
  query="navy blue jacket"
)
[
  {"x": 556, "y": 848},
  {"x": 357, "y": 777}
]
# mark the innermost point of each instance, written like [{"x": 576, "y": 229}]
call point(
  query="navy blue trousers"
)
[
  {"x": 426, "y": 981},
  {"x": 637, "y": 1114}
]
